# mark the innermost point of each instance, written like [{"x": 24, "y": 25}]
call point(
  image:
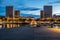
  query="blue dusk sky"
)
[{"x": 32, "y": 7}]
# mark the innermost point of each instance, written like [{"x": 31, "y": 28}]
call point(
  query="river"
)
[{"x": 28, "y": 33}]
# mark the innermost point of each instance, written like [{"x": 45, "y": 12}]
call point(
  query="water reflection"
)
[
  {"x": 0, "y": 26},
  {"x": 9, "y": 25},
  {"x": 26, "y": 24}
]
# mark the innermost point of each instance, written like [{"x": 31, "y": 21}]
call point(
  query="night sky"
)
[{"x": 32, "y": 7}]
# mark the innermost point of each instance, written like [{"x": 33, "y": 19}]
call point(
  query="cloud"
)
[
  {"x": 55, "y": 2},
  {"x": 28, "y": 8},
  {"x": 37, "y": 12},
  {"x": 31, "y": 15},
  {"x": 12, "y": 3},
  {"x": 19, "y": 5}
]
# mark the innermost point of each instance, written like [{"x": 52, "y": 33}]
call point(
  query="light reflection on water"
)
[
  {"x": 19, "y": 25},
  {"x": 18, "y": 33},
  {"x": 10, "y": 25},
  {"x": 24, "y": 32}
]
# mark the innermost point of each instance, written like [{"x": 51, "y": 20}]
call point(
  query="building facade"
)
[
  {"x": 9, "y": 11},
  {"x": 17, "y": 14},
  {"x": 41, "y": 14},
  {"x": 56, "y": 17},
  {"x": 47, "y": 11}
]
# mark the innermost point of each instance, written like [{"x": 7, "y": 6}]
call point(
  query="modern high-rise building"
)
[
  {"x": 41, "y": 14},
  {"x": 47, "y": 11},
  {"x": 9, "y": 11},
  {"x": 17, "y": 14}
]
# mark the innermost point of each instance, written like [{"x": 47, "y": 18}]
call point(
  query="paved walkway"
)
[
  {"x": 28, "y": 33},
  {"x": 47, "y": 34}
]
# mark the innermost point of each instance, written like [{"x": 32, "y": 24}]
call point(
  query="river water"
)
[{"x": 26, "y": 33}]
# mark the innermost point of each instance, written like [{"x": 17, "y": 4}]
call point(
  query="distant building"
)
[
  {"x": 41, "y": 14},
  {"x": 47, "y": 11},
  {"x": 9, "y": 11},
  {"x": 56, "y": 16},
  {"x": 17, "y": 14}
]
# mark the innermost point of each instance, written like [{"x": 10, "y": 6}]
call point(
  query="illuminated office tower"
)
[
  {"x": 9, "y": 11},
  {"x": 41, "y": 14},
  {"x": 47, "y": 11},
  {"x": 17, "y": 14}
]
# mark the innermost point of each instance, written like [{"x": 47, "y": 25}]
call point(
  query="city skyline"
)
[
  {"x": 26, "y": 8},
  {"x": 29, "y": 19}
]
